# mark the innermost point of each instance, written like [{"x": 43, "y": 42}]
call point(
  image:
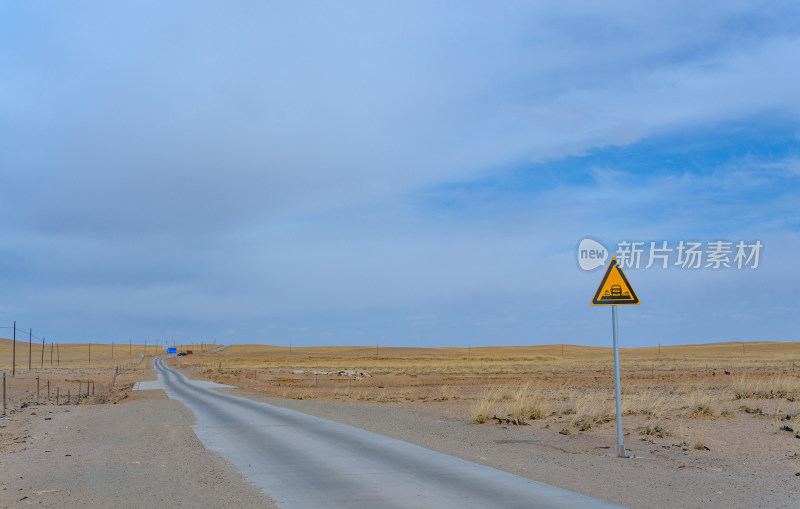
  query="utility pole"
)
[
  {"x": 42, "y": 366},
  {"x": 30, "y": 348}
]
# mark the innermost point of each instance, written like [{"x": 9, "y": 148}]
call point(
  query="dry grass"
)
[
  {"x": 708, "y": 360},
  {"x": 772, "y": 387},
  {"x": 515, "y": 405},
  {"x": 593, "y": 408},
  {"x": 527, "y": 403},
  {"x": 652, "y": 402},
  {"x": 701, "y": 404},
  {"x": 520, "y": 384},
  {"x": 485, "y": 407}
]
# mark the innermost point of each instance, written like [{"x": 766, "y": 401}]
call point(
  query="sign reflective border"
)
[{"x": 614, "y": 288}]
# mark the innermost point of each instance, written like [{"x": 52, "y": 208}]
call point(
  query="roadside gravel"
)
[{"x": 140, "y": 453}]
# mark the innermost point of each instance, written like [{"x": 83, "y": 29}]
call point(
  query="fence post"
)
[
  {"x": 37, "y": 390},
  {"x": 48, "y": 390},
  {"x": 4, "y": 393},
  {"x": 58, "y": 393}
]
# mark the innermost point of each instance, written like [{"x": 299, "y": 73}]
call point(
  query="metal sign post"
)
[
  {"x": 615, "y": 290},
  {"x": 617, "y": 390}
]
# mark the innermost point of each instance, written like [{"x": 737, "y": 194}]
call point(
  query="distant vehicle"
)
[{"x": 181, "y": 353}]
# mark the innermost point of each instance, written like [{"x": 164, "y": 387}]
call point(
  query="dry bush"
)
[
  {"x": 445, "y": 393},
  {"x": 524, "y": 404},
  {"x": 527, "y": 403},
  {"x": 656, "y": 429},
  {"x": 485, "y": 407}
]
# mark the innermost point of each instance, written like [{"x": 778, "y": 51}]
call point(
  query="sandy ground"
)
[{"x": 139, "y": 453}]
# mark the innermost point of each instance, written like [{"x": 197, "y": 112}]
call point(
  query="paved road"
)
[{"x": 303, "y": 461}]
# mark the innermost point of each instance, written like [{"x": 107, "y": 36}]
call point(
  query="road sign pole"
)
[
  {"x": 620, "y": 447},
  {"x": 615, "y": 289}
]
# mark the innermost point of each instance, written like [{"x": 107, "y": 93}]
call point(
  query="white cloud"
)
[{"x": 266, "y": 160}]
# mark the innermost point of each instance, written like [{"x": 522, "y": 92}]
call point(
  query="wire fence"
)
[
  {"x": 59, "y": 387},
  {"x": 27, "y": 351}
]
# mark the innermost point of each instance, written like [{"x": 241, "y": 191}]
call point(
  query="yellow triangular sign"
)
[{"x": 614, "y": 288}]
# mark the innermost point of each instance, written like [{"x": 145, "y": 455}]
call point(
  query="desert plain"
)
[{"x": 705, "y": 425}]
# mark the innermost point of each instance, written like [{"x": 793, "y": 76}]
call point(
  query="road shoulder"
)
[{"x": 140, "y": 453}]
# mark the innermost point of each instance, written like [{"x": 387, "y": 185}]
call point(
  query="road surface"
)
[{"x": 303, "y": 461}]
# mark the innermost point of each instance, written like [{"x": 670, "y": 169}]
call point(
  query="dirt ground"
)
[
  {"x": 721, "y": 432},
  {"x": 141, "y": 452}
]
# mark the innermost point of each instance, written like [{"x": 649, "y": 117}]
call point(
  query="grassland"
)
[
  {"x": 519, "y": 384},
  {"x": 545, "y": 359},
  {"x": 665, "y": 388}
]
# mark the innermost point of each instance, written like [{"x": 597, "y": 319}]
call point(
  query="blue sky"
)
[{"x": 406, "y": 173}]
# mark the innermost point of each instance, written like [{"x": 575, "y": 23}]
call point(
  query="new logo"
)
[{"x": 591, "y": 254}]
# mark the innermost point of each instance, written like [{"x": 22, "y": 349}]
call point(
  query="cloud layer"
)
[{"x": 343, "y": 170}]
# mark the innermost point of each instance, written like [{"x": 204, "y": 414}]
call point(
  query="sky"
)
[{"x": 396, "y": 173}]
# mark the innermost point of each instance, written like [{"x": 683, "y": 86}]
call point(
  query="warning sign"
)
[{"x": 614, "y": 288}]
